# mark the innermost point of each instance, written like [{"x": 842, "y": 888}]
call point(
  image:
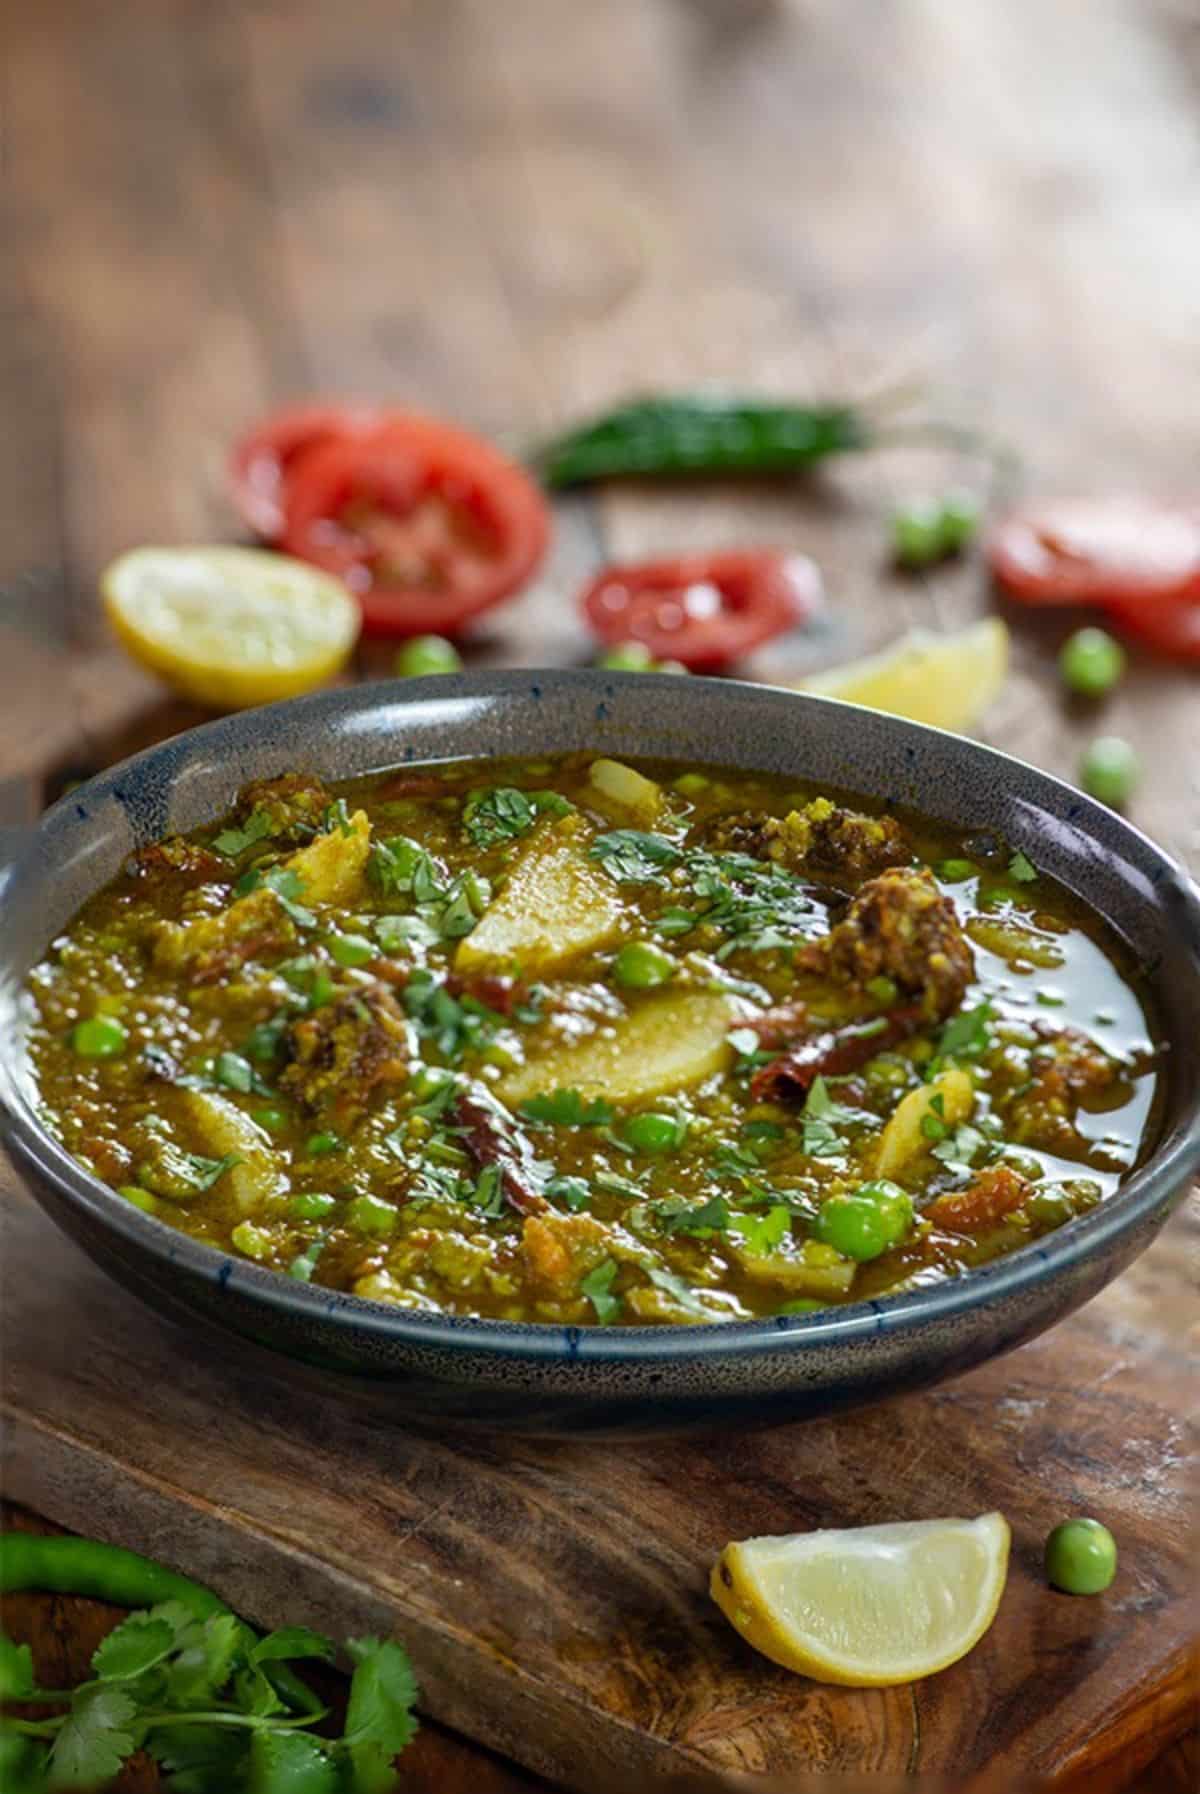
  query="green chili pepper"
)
[
  {"x": 72, "y": 1566},
  {"x": 701, "y": 433}
]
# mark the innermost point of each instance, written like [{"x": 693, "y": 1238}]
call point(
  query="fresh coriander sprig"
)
[{"x": 196, "y": 1694}]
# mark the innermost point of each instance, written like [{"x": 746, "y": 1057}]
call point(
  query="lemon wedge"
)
[
  {"x": 230, "y": 627},
  {"x": 871, "y": 1606},
  {"x": 946, "y": 680}
]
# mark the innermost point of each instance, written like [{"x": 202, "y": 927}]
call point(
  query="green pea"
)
[
  {"x": 953, "y": 872},
  {"x": 370, "y": 1215},
  {"x": 917, "y": 535},
  {"x": 1110, "y": 771},
  {"x": 802, "y": 1305},
  {"x": 317, "y": 1145},
  {"x": 1081, "y": 1557},
  {"x": 959, "y": 520},
  {"x": 627, "y": 657},
  {"x": 1091, "y": 662},
  {"x": 893, "y": 1203},
  {"x": 691, "y": 784},
  {"x": 640, "y": 965},
  {"x": 100, "y": 1037},
  {"x": 884, "y": 990},
  {"x": 311, "y": 1206},
  {"x": 253, "y": 1242},
  {"x": 867, "y": 1223},
  {"x": 1049, "y": 1207},
  {"x": 274, "y": 1120},
  {"x": 351, "y": 949},
  {"x": 654, "y": 1133},
  {"x": 426, "y": 654},
  {"x": 856, "y": 1228},
  {"x": 140, "y": 1198}
]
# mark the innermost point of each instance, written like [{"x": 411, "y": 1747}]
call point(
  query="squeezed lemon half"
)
[
  {"x": 230, "y": 627},
  {"x": 870, "y": 1606},
  {"x": 946, "y": 680}
]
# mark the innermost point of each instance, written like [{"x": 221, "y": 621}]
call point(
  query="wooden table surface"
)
[{"x": 512, "y": 214}]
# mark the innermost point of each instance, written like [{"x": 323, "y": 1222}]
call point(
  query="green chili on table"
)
[
  {"x": 691, "y": 433},
  {"x": 64, "y": 1565}
]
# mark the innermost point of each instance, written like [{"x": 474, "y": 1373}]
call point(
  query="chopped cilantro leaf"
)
[
  {"x": 231, "y": 842},
  {"x": 675, "y": 1214},
  {"x": 635, "y": 858},
  {"x": 822, "y": 1119},
  {"x": 566, "y": 1108},
  {"x": 597, "y": 1287},
  {"x": 1022, "y": 868},
  {"x": 288, "y": 886},
  {"x": 203, "y": 1173},
  {"x": 966, "y": 1035},
  {"x": 761, "y": 1234},
  {"x": 505, "y": 814},
  {"x": 337, "y": 816},
  {"x": 573, "y": 1192}
]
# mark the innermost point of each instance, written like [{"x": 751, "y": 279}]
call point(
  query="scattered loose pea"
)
[
  {"x": 317, "y": 1145},
  {"x": 960, "y": 520},
  {"x": 274, "y": 1120},
  {"x": 917, "y": 534},
  {"x": 1110, "y": 771},
  {"x": 1081, "y": 1557},
  {"x": 1091, "y": 662},
  {"x": 99, "y": 1037},
  {"x": 424, "y": 655},
  {"x": 640, "y": 965}
]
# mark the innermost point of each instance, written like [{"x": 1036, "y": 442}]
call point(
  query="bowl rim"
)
[{"x": 1149, "y": 1191}]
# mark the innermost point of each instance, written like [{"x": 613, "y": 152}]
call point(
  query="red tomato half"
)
[
  {"x": 1098, "y": 551},
  {"x": 263, "y": 460},
  {"x": 426, "y": 524},
  {"x": 1172, "y": 629},
  {"x": 703, "y": 609}
]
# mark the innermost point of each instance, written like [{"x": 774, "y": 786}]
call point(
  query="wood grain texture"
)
[
  {"x": 555, "y": 1598},
  {"x": 511, "y": 215}
]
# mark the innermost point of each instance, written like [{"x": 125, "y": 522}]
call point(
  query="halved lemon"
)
[
  {"x": 871, "y": 1606},
  {"x": 946, "y": 680},
  {"x": 230, "y": 627}
]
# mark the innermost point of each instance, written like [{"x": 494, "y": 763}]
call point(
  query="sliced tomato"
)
[
  {"x": 426, "y": 524},
  {"x": 703, "y": 609},
  {"x": 263, "y": 459},
  {"x": 1172, "y": 629},
  {"x": 1122, "y": 550}
]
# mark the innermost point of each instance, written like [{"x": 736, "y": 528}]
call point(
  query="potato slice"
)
[
  {"x": 222, "y": 1130},
  {"x": 903, "y": 1141},
  {"x": 331, "y": 868},
  {"x": 622, "y": 791},
  {"x": 555, "y": 905},
  {"x": 671, "y": 1042}
]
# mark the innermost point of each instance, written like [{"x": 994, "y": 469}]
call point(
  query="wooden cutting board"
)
[{"x": 554, "y": 1596}]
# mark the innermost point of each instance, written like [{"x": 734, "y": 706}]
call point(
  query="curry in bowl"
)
[{"x": 589, "y": 1042}]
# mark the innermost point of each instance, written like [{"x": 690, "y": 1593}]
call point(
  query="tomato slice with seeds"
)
[
  {"x": 426, "y": 524},
  {"x": 1124, "y": 551},
  {"x": 705, "y": 610},
  {"x": 264, "y": 459}
]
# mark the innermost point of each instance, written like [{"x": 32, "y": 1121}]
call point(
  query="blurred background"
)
[{"x": 514, "y": 214}]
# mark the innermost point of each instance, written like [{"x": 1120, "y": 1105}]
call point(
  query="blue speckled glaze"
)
[{"x": 540, "y": 1379}]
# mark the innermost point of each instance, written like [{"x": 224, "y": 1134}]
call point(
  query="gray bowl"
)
[{"x": 542, "y": 1379}]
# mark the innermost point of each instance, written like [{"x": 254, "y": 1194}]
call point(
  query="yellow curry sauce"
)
[{"x": 581, "y": 1041}]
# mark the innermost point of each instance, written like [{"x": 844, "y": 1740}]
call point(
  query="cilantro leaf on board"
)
[
  {"x": 290, "y": 1763},
  {"x": 379, "y": 1714},
  {"x": 137, "y": 1644},
  {"x": 95, "y": 1738},
  {"x": 16, "y": 1670}
]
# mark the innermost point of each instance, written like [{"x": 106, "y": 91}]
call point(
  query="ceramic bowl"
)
[{"x": 545, "y": 1379}]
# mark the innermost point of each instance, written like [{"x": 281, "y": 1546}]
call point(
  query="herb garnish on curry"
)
[{"x": 574, "y": 1040}]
